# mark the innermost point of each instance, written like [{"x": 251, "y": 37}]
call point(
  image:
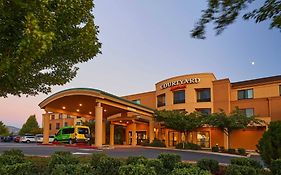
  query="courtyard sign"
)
[{"x": 180, "y": 82}]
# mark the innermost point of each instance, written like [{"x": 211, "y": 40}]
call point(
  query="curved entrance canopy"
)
[{"x": 98, "y": 105}]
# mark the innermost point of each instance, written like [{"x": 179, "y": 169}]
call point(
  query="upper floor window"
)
[
  {"x": 50, "y": 126},
  {"x": 179, "y": 96},
  {"x": 137, "y": 101},
  {"x": 204, "y": 110},
  {"x": 65, "y": 124},
  {"x": 245, "y": 94},
  {"x": 52, "y": 116},
  {"x": 203, "y": 95},
  {"x": 161, "y": 100},
  {"x": 60, "y": 116},
  {"x": 68, "y": 116},
  {"x": 248, "y": 112},
  {"x": 57, "y": 125}
]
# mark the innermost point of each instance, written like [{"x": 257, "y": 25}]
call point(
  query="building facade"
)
[{"x": 194, "y": 92}]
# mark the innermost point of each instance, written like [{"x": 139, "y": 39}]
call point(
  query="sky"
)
[{"x": 146, "y": 41}]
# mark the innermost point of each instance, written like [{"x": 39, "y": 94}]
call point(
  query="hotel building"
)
[{"x": 194, "y": 92}]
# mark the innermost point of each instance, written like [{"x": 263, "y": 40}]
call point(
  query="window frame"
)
[
  {"x": 205, "y": 99},
  {"x": 137, "y": 101},
  {"x": 179, "y": 101},
  {"x": 245, "y": 94},
  {"x": 162, "y": 104},
  {"x": 244, "y": 111}
]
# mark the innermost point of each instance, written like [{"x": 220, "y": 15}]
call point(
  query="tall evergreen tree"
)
[{"x": 30, "y": 126}]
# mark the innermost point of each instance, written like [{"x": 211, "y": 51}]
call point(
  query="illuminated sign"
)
[{"x": 180, "y": 82}]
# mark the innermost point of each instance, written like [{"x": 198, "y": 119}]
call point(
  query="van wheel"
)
[
  {"x": 28, "y": 141},
  {"x": 70, "y": 141}
]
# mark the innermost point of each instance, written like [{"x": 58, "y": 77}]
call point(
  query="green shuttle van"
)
[{"x": 73, "y": 134}]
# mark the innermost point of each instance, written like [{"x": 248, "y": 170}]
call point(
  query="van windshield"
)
[
  {"x": 68, "y": 131},
  {"x": 83, "y": 131}
]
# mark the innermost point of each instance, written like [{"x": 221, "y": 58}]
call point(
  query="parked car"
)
[
  {"x": 17, "y": 139},
  {"x": 73, "y": 134},
  {"x": 27, "y": 139},
  {"x": 39, "y": 138}
]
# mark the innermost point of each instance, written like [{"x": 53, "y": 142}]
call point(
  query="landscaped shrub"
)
[
  {"x": 246, "y": 162},
  {"x": 215, "y": 149},
  {"x": 12, "y": 157},
  {"x": 241, "y": 151},
  {"x": 157, "y": 143},
  {"x": 190, "y": 171},
  {"x": 95, "y": 159},
  {"x": 231, "y": 151},
  {"x": 138, "y": 169},
  {"x": 157, "y": 165},
  {"x": 270, "y": 143},
  {"x": 16, "y": 169},
  {"x": 222, "y": 149},
  {"x": 275, "y": 167},
  {"x": 39, "y": 165},
  {"x": 70, "y": 169},
  {"x": 62, "y": 157},
  {"x": 188, "y": 145},
  {"x": 180, "y": 165},
  {"x": 208, "y": 164},
  {"x": 241, "y": 170},
  {"x": 13, "y": 152},
  {"x": 136, "y": 160},
  {"x": 169, "y": 160},
  {"x": 108, "y": 165}
]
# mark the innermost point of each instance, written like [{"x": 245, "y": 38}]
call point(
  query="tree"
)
[
  {"x": 234, "y": 121},
  {"x": 4, "y": 131},
  {"x": 224, "y": 12},
  {"x": 180, "y": 120},
  {"x": 41, "y": 41},
  {"x": 30, "y": 126},
  {"x": 269, "y": 145}
]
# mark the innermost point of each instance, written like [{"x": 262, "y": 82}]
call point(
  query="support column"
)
[
  {"x": 111, "y": 139},
  {"x": 98, "y": 125},
  {"x": 151, "y": 131},
  {"x": 225, "y": 140},
  {"x": 166, "y": 137},
  {"x": 46, "y": 129},
  {"x": 104, "y": 132},
  {"x": 134, "y": 134}
]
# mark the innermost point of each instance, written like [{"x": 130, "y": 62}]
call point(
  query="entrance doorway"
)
[{"x": 141, "y": 137}]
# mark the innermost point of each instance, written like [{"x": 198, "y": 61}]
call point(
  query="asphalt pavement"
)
[{"x": 46, "y": 150}]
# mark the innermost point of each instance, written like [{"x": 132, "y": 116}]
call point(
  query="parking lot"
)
[{"x": 46, "y": 150}]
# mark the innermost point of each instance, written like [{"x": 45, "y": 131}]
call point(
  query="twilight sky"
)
[{"x": 148, "y": 41}]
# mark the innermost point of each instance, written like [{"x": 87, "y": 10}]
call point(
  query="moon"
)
[{"x": 253, "y": 63}]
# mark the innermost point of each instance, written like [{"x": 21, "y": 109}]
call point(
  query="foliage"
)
[
  {"x": 76, "y": 169},
  {"x": 39, "y": 164},
  {"x": 108, "y": 165},
  {"x": 190, "y": 171},
  {"x": 157, "y": 165},
  {"x": 95, "y": 159},
  {"x": 30, "y": 126},
  {"x": 155, "y": 143},
  {"x": 215, "y": 149},
  {"x": 169, "y": 160},
  {"x": 188, "y": 145},
  {"x": 4, "y": 131},
  {"x": 275, "y": 167},
  {"x": 241, "y": 170},
  {"x": 231, "y": 151},
  {"x": 241, "y": 151},
  {"x": 246, "y": 162},
  {"x": 133, "y": 160},
  {"x": 224, "y": 13},
  {"x": 41, "y": 43},
  {"x": 16, "y": 169},
  {"x": 181, "y": 165},
  {"x": 269, "y": 145},
  {"x": 138, "y": 169},
  {"x": 62, "y": 157},
  {"x": 12, "y": 157},
  {"x": 208, "y": 164}
]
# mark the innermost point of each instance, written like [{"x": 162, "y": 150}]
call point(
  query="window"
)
[
  {"x": 68, "y": 131},
  {"x": 57, "y": 125},
  {"x": 161, "y": 100},
  {"x": 179, "y": 96},
  {"x": 83, "y": 131},
  {"x": 203, "y": 139},
  {"x": 203, "y": 95},
  {"x": 204, "y": 110},
  {"x": 53, "y": 117},
  {"x": 245, "y": 94},
  {"x": 279, "y": 90},
  {"x": 137, "y": 101},
  {"x": 60, "y": 116},
  {"x": 249, "y": 112},
  {"x": 78, "y": 123},
  {"x": 50, "y": 126},
  {"x": 78, "y": 117},
  {"x": 65, "y": 124},
  {"x": 68, "y": 116}
]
